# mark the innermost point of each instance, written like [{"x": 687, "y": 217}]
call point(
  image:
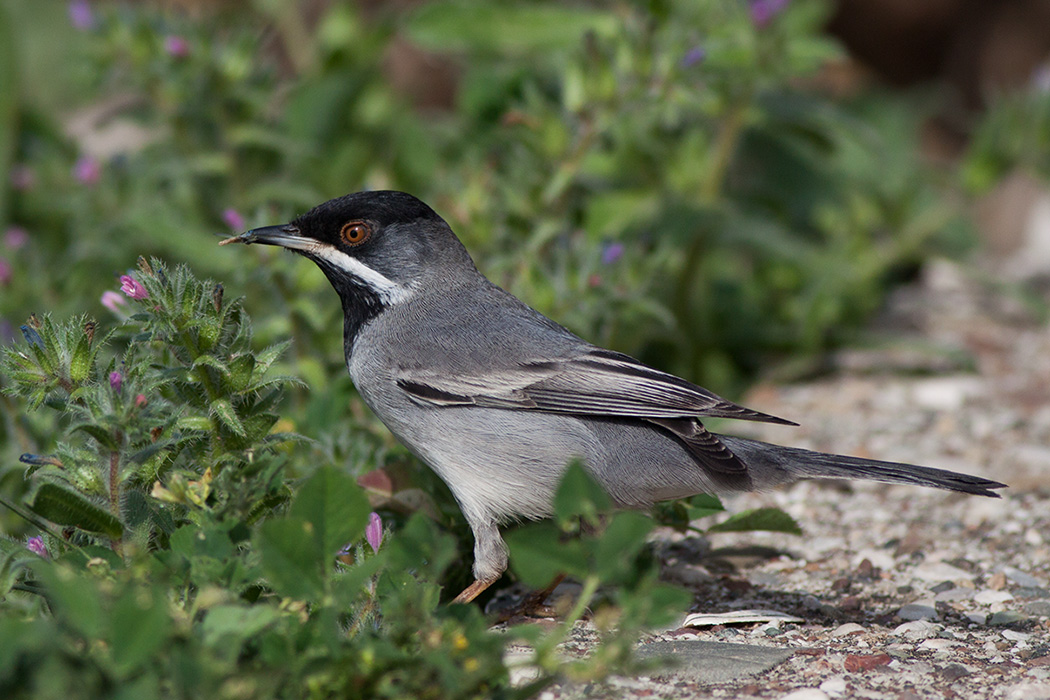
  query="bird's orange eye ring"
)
[{"x": 355, "y": 232}]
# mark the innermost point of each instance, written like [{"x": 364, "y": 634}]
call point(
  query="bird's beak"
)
[{"x": 284, "y": 235}]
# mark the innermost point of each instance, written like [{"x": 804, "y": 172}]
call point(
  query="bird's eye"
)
[{"x": 355, "y": 232}]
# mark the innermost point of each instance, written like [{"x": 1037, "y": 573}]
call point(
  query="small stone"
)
[
  {"x": 1038, "y": 608},
  {"x": 1021, "y": 578},
  {"x": 988, "y": 597},
  {"x": 846, "y": 629},
  {"x": 1029, "y": 691},
  {"x": 1032, "y": 592},
  {"x": 855, "y": 663},
  {"x": 942, "y": 587},
  {"x": 850, "y": 603},
  {"x": 953, "y": 672},
  {"x": 867, "y": 570},
  {"x": 938, "y": 644},
  {"x": 836, "y": 685},
  {"x": 997, "y": 582},
  {"x": 1015, "y": 636},
  {"x": 917, "y": 611},
  {"x": 940, "y": 571},
  {"x": 953, "y": 595},
  {"x": 978, "y": 617},
  {"x": 917, "y": 629},
  {"x": 806, "y": 694},
  {"x": 1006, "y": 617}
]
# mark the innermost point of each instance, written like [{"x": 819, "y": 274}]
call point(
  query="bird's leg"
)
[
  {"x": 490, "y": 559},
  {"x": 474, "y": 590}
]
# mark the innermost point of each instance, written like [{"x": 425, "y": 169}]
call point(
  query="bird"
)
[{"x": 499, "y": 399}]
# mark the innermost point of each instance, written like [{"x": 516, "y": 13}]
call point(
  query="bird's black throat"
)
[{"x": 361, "y": 303}]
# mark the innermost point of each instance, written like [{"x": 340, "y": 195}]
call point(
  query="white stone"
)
[
  {"x": 806, "y": 694},
  {"x": 836, "y": 685},
  {"x": 1029, "y": 691},
  {"x": 988, "y": 597},
  {"x": 848, "y": 628},
  {"x": 935, "y": 572},
  {"x": 918, "y": 629}
]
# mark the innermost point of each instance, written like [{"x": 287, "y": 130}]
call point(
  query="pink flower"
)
[
  {"x": 36, "y": 546},
  {"x": 22, "y": 178},
  {"x": 15, "y": 237},
  {"x": 5, "y": 271},
  {"x": 176, "y": 46},
  {"x": 132, "y": 288},
  {"x": 112, "y": 301},
  {"x": 140, "y": 400},
  {"x": 233, "y": 219},
  {"x": 374, "y": 531},
  {"x": 116, "y": 380},
  {"x": 87, "y": 170}
]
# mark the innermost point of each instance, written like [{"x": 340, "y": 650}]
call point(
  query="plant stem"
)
[
  {"x": 114, "y": 490},
  {"x": 725, "y": 145}
]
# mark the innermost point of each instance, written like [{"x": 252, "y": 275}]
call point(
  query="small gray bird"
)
[{"x": 498, "y": 399}]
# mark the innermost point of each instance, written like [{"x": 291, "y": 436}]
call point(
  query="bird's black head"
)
[{"x": 376, "y": 248}]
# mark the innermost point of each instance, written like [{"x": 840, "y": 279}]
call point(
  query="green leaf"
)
[
  {"x": 292, "y": 559},
  {"x": 335, "y": 505},
  {"x": 65, "y": 506},
  {"x": 241, "y": 368},
  {"x": 213, "y": 362},
  {"x": 765, "y": 519},
  {"x": 579, "y": 495},
  {"x": 80, "y": 363},
  {"x": 538, "y": 554},
  {"x": 224, "y": 410},
  {"x": 194, "y": 423},
  {"x": 268, "y": 356},
  {"x": 232, "y": 625},
  {"x": 704, "y": 504},
  {"x": 74, "y": 597},
  {"x": 104, "y": 437},
  {"x": 139, "y": 624},
  {"x": 619, "y": 544}
]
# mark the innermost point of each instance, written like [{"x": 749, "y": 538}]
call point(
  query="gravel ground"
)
[{"x": 905, "y": 592}]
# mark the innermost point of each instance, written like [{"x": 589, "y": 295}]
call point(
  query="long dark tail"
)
[{"x": 769, "y": 465}]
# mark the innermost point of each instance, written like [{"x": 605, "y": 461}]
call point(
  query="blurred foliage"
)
[{"x": 173, "y": 560}]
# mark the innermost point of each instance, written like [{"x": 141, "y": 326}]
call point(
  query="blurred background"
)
[{"x": 727, "y": 189}]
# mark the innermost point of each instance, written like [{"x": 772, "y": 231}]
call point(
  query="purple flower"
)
[
  {"x": 5, "y": 271},
  {"x": 22, "y": 178},
  {"x": 81, "y": 15},
  {"x": 692, "y": 57},
  {"x": 132, "y": 288},
  {"x": 233, "y": 219},
  {"x": 15, "y": 237},
  {"x": 176, "y": 46},
  {"x": 36, "y": 546},
  {"x": 116, "y": 380},
  {"x": 612, "y": 252},
  {"x": 763, "y": 11},
  {"x": 87, "y": 170},
  {"x": 112, "y": 301},
  {"x": 374, "y": 531}
]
